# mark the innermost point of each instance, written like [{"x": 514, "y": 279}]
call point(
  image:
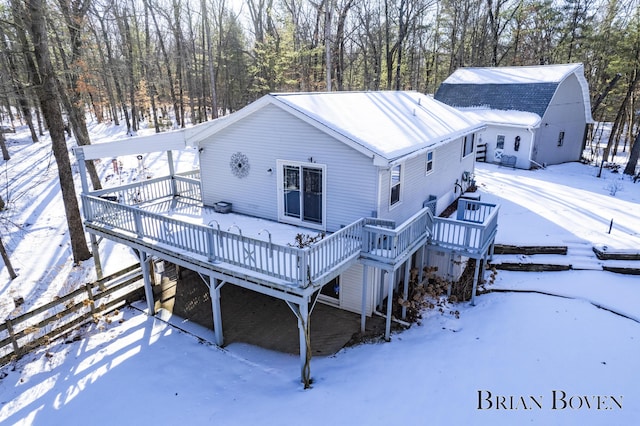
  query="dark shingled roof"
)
[{"x": 530, "y": 97}]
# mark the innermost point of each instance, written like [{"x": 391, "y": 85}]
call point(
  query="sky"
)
[{"x": 544, "y": 348}]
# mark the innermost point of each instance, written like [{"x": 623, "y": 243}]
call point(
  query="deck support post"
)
[
  {"x": 172, "y": 173},
  {"x": 301, "y": 311},
  {"x": 95, "y": 251},
  {"x": 405, "y": 290},
  {"x": 363, "y": 311},
  {"x": 387, "y": 330},
  {"x": 148, "y": 290},
  {"x": 450, "y": 274},
  {"x": 214, "y": 292},
  {"x": 476, "y": 276},
  {"x": 305, "y": 342},
  {"x": 420, "y": 263},
  {"x": 82, "y": 168}
]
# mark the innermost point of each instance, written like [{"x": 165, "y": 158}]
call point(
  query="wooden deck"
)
[
  {"x": 130, "y": 213},
  {"x": 260, "y": 320}
]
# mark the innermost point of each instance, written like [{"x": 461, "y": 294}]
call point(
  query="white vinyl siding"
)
[
  {"x": 565, "y": 113},
  {"x": 417, "y": 186},
  {"x": 272, "y": 134},
  {"x": 351, "y": 289}
]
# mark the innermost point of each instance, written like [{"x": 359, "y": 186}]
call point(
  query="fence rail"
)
[{"x": 23, "y": 333}]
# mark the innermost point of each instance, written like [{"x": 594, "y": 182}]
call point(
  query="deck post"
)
[
  {"x": 172, "y": 173},
  {"x": 305, "y": 340},
  {"x": 387, "y": 331},
  {"x": 82, "y": 168},
  {"x": 476, "y": 276},
  {"x": 420, "y": 262},
  {"x": 95, "y": 251},
  {"x": 363, "y": 312},
  {"x": 450, "y": 274},
  {"x": 405, "y": 290},
  {"x": 214, "y": 292},
  {"x": 148, "y": 290}
]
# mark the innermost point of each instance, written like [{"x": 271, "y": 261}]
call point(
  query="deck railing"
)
[
  {"x": 122, "y": 210},
  {"x": 335, "y": 249},
  {"x": 473, "y": 229},
  {"x": 213, "y": 244},
  {"x": 183, "y": 184},
  {"x": 387, "y": 244}
]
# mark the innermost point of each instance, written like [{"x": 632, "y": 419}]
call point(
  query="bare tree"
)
[{"x": 48, "y": 96}]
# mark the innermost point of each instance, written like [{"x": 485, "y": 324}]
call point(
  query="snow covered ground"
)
[{"x": 514, "y": 358}]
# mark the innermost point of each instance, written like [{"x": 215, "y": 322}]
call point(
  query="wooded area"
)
[{"x": 166, "y": 63}]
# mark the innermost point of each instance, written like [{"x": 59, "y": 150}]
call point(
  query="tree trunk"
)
[
  {"x": 212, "y": 73},
  {"x": 167, "y": 61},
  {"x": 18, "y": 13},
  {"x": 53, "y": 116},
  {"x": 630, "y": 168},
  {"x": 5, "y": 153},
  {"x": 7, "y": 261}
]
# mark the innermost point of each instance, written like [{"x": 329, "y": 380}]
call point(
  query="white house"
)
[
  {"x": 366, "y": 169},
  {"x": 537, "y": 114}
]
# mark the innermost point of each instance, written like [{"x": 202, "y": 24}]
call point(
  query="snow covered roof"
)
[
  {"x": 388, "y": 124},
  {"x": 529, "y": 88},
  {"x": 504, "y": 118},
  {"x": 166, "y": 141},
  {"x": 513, "y": 75}
]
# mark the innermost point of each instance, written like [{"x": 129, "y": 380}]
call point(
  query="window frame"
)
[
  {"x": 398, "y": 184},
  {"x": 429, "y": 162},
  {"x": 299, "y": 220},
  {"x": 500, "y": 141},
  {"x": 468, "y": 148},
  {"x": 561, "y": 138}
]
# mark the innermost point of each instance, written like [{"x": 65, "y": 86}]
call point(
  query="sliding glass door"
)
[{"x": 302, "y": 193}]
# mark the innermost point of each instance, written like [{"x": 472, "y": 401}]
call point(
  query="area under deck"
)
[{"x": 260, "y": 320}]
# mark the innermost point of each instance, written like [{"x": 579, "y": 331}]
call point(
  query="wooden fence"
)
[{"x": 39, "y": 326}]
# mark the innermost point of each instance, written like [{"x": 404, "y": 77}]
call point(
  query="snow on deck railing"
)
[
  {"x": 335, "y": 249},
  {"x": 185, "y": 184},
  {"x": 473, "y": 229},
  {"x": 119, "y": 210},
  {"x": 277, "y": 261},
  {"x": 390, "y": 244}
]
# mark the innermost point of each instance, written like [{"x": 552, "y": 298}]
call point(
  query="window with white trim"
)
[
  {"x": 429, "y": 164},
  {"x": 302, "y": 193},
  {"x": 467, "y": 144},
  {"x": 396, "y": 180},
  {"x": 500, "y": 142},
  {"x": 561, "y": 138}
]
